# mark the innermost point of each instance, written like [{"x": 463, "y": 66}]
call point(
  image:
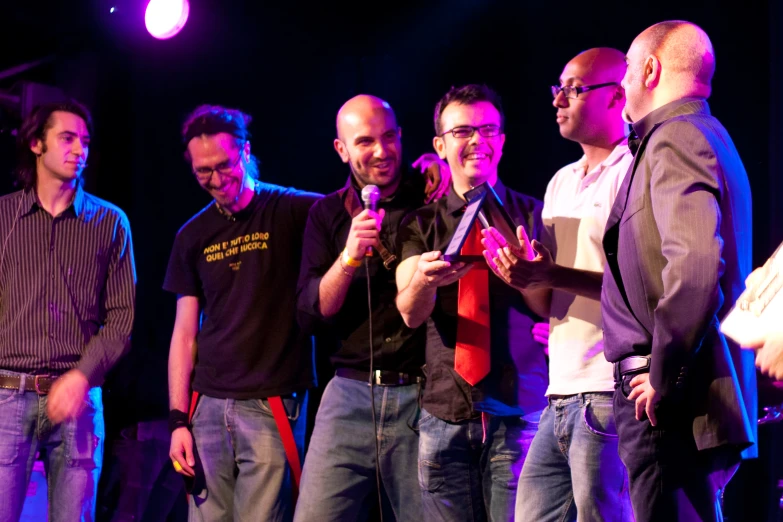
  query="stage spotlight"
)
[{"x": 165, "y": 18}]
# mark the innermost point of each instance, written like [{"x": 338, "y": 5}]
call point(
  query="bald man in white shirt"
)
[{"x": 573, "y": 467}]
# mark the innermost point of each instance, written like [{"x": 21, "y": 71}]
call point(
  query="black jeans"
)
[{"x": 670, "y": 480}]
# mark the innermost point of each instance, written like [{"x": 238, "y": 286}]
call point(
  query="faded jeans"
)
[
  {"x": 247, "y": 474},
  {"x": 338, "y": 481},
  {"x": 573, "y": 470},
  {"x": 72, "y": 453},
  {"x": 464, "y": 479}
]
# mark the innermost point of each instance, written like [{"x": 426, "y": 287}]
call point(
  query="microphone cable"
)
[
  {"x": 372, "y": 394},
  {"x": 13, "y": 226}
]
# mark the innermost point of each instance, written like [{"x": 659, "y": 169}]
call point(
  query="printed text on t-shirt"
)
[{"x": 246, "y": 243}]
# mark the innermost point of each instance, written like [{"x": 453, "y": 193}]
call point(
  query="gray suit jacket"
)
[{"x": 678, "y": 249}]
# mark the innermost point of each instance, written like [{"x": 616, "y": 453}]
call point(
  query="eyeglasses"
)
[
  {"x": 573, "y": 92},
  {"x": 467, "y": 131},
  {"x": 225, "y": 168}
]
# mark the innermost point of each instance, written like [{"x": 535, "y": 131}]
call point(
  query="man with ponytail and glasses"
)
[{"x": 234, "y": 268}]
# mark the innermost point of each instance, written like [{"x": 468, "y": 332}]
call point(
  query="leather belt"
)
[
  {"x": 631, "y": 365},
  {"x": 555, "y": 397},
  {"x": 40, "y": 384},
  {"x": 380, "y": 377}
]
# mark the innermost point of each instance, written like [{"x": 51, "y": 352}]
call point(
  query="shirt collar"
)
[
  {"x": 30, "y": 201},
  {"x": 455, "y": 203},
  {"x": 670, "y": 110},
  {"x": 614, "y": 157},
  {"x": 78, "y": 201}
]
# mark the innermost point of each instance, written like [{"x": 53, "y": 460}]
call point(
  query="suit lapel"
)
[
  {"x": 693, "y": 106},
  {"x": 612, "y": 231},
  {"x": 622, "y": 196}
]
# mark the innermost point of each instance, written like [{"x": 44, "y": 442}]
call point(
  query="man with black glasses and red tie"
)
[
  {"x": 486, "y": 375},
  {"x": 67, "y": 292},
  {"x": 234, "y": 268}
]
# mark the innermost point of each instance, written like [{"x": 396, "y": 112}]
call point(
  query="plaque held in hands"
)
[{"x": 483, "y": 204}]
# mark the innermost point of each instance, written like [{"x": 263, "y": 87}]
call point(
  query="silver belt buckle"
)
[{"x": 377, "y": 378}]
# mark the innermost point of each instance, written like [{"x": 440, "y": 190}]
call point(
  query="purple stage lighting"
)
[{"x": 165, "y": 18}]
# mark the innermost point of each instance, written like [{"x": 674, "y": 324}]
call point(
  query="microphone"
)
[{"x": 371, "y": 194}]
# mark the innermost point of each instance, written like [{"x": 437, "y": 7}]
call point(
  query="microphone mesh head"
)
[{"x": 371, "y": 193}]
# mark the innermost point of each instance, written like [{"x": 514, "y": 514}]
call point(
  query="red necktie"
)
[{"x": 471, "y": 356}]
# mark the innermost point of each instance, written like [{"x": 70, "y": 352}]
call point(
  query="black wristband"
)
[{"x": 178, "y": 419}]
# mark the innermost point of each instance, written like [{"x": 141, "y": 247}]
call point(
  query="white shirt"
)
[{"x": 576, "y": 207}]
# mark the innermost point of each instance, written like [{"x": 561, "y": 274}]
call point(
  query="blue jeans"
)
[
  {"x": 72, "y": 453},
  {"x": 247, "y": 474},
  {"x": 573, "y": 470},
  {"x": 338, "y": 482},
  {"x": 462, "y": 478}
]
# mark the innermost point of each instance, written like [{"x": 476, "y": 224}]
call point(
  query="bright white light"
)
[
  {"x": 111, "y": 10},
  {"x": 165, "y": 18}
]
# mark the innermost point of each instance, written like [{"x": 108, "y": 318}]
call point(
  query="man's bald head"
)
[
  {"x": 685, "y": 52},
  {"x": 668, "y": 61},
  {"x": 600, "y": 64},
  {"x": 368, "y": 139},
  {"x": 593, "y": 117},
  {"x": 361, "y": 108}
]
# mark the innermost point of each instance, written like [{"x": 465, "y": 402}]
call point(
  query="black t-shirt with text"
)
[{"x": 244, "y": 269}]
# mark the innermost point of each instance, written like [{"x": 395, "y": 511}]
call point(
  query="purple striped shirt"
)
[{"x": 67, "y": 286}]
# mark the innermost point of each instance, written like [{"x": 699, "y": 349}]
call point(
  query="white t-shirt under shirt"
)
[{"x": 576, "y": 207}]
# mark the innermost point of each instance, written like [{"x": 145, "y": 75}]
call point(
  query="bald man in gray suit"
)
[{"x": 678, "y": 247}]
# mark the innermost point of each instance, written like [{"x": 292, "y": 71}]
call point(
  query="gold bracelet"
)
[
  {"x": 348, "y": 260},
  {"x": 340, "y": 260}
]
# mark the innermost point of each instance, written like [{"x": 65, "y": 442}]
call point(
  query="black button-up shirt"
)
[
  {"x": 395, "y": 346},
  {"x": 518, "y": 378},
  {"x": 67, "y": 286}
]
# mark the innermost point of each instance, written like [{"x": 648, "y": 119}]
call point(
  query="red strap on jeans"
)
[
  {"x": 289, "y": 444},
  {"x": 193, "y": 401},
  {"x": 191, "y": 411},
  {"x": 287, "y": 436}
]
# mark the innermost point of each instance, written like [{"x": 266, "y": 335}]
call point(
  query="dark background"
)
[{"x": 292, "y": 65}]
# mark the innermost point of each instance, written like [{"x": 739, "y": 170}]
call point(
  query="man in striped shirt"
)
[{"x": 67, "y": 292}]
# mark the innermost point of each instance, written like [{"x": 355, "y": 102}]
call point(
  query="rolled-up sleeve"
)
[
  {"x": 318, "y": 254},
  {"x": 410, "y": 240}
]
